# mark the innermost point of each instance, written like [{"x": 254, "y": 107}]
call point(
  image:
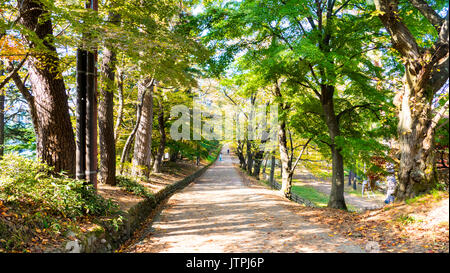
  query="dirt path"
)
[{"x": 218, "y": 213}]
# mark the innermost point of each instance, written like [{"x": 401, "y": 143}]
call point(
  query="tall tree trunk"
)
[
  {"x": 286, "y": 163},
  {"x": 55, "y": 142},
  {"x": 143, "y": 142},
  {"x": 272, "y": 167},
  {"x": 2, "y": 114},
  {"x": 426, "y": 71},
  {"x": 240, "y": 154},
  {"x": 337, "y": 199},
  {"x": 106, "y": 118},
  {"x": 266, "y": 159},
  {"x": 2, "y": 122},
  {"x": 257, "y": 166},
  {"x": 249, "y": 157},
  {"x": 130, "y": 139},
  {"x": 259, "y": 156},
  {"x": 417, "y": 170},
  {"x": 197, "y": 161},
  {"x": 157, "y": 166},
  {"x": 81, "y": 114},
  {"x": 173, "y": 154},
  {"x": 120, "y": 111}
]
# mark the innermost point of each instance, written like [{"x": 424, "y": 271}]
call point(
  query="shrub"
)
[
  {"x": 133, "y": 186},
  {"x": 26, "y": 181},
  {"x": 34, "y": 201}
]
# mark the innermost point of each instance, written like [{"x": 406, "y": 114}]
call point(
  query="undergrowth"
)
[
  {"x": 35, "y": 201},
  {"x": 130, "y": 185}
]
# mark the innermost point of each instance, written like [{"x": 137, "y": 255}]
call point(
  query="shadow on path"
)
[{"x": 218, "y": 213}]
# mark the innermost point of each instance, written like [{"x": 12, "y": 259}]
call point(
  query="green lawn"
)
[{"x": 318, "y": 198}]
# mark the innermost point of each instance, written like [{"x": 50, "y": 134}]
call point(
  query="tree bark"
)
[
  {"x": 257, "y": 166},
  {"x": 173, "y": 154},
  {"x": 106, "y": 118},
  {"x": 286, "y": 163},
  {"x": 286, "y": 160},
  {"x": 55, "y": 141},
  {"x": 272, "y": 167},
  {"x": 249, "y": 164},
  {"x": 2, "y": 122},
  {"x": 240, "y": 154},
  {"x": 2, "y": 114},
  {"x": 426, "y": 71},
  {"x": 266, "y": 160},
  {"x": 143, "y": 143},
  {"x": 337, "y": 199},
  {"x": 130, "y": 139},
  {"x": 157, "y": 166},
  {"x": 120, "y": 111}
]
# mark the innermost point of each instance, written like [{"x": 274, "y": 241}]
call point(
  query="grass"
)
[
  {"x": 318, "y": 198},
  {"x": 434, "y": 194},
  {"x": 406, "y": 219},
  {"x": 213, "y": 155}
]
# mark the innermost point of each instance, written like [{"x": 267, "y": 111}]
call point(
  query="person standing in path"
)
[{"x": 391, "y": 184}]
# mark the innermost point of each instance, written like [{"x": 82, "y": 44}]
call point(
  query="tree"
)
[
  {"x": 426, "y": 71},
  {"x": 157, "y": 165},
  {"x": 315, "y": 48},
  {"x": 106, "y": 113},
  {"x": 55, "y": 137},
  {"x": 143, "y": 140}
]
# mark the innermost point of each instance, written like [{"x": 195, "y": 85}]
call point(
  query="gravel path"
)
[{"x": 218, "y": 213}]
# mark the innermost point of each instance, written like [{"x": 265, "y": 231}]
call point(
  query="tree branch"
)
[
  {"x": 438, "y": 116},
  {"x": 428, "y": 12},
  {"x": 300, "y": 155},
  {"x": 402, "y": 39},
  {"x": 352, "y": 109},
  {"x": 226, "y": 95},
  {"x": 13, "y": 70},
  {"x": 341, "y": 7}
]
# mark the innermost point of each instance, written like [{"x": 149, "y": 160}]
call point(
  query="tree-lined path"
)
[{"x": 219, "y": 213}]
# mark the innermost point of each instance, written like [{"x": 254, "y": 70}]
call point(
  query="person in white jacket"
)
[{"x": 391, "y": 184}]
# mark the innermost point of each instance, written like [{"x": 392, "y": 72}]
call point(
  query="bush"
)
[
  {"x": 35, "y": 203},
  {"x": 132, "y": 186},
  {"x": 26, "y": 181}
]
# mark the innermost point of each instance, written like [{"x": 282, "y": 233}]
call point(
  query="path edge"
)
[{"x": 110, "y": 236}]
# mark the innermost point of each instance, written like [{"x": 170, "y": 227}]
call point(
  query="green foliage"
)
[
  {"x": 19, "y": 137},
  {"x": 433, "y": 195},
  {"x": 41, "y": 204},
  {"x": 311, "y": 194},
  {"x": 133, "y": 186},
  {"x": 27, "y": 182},
  {"x": 406, "y": 219},
  {"x": 277, "y": 42},
  {"x": 213, "y": 153}
]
